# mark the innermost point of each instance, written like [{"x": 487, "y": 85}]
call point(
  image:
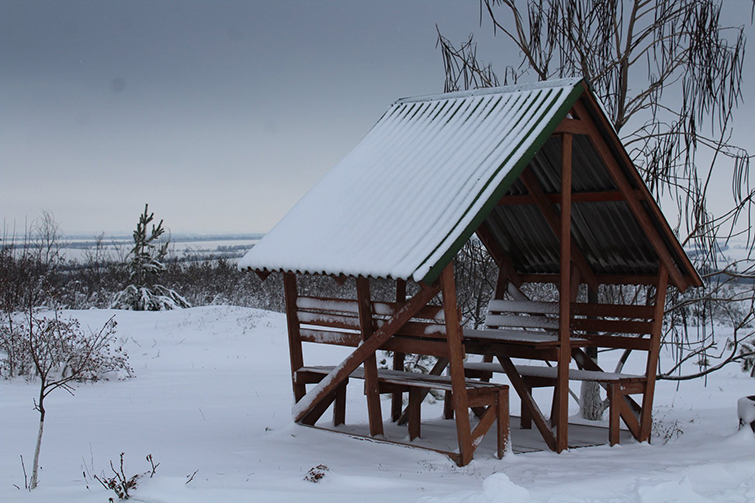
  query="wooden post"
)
[
  {"x": 398, "y": 358},
  {"x": 564, "y": 303},
  {"x": 456, "y": 358},
  {"x": 294, "y": 336},
  {"x": 646, "y": 422},
  {"x": 371, "y": 384}
]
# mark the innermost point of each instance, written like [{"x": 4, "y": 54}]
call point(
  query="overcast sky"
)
[{"x": 220, "y": 115}]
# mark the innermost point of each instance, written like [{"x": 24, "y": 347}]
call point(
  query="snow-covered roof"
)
[{"x": 408, "y": 196}]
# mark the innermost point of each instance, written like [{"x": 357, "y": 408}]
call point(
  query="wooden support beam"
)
[
  {"x": 646, "y": 422},
  {"x": 571, "y": 126},
  {"x": 371, "y": 384},
  {"x": 634, "y": 203},
  {"x": 601, "y": 196},
  {"x": 314, "y": 414},
  {"x": 554, "y": 220},
  {"x": 398, "y": 357},
  {"x": 587, "y": 363},
  {"x": 294, "y": 335},
  {"x": 603, "y": 279},
  {"x": 564, "y": 296},
  {"x": 339, "y": 407},
  {"x": 456, "y": 361},
  {"x": 360, "y": 354},
  {"x": 437, "y": 370},
  {"x": 528, "y": 403}
]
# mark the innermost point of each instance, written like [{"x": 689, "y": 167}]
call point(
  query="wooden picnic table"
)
[{"x": 406, "y": 326}]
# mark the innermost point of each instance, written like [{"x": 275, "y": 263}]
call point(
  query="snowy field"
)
[{"x": 212, "y": 395}]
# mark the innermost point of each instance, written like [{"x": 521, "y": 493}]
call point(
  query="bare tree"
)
[
  {"x": 62, "y": 354},
  {"x": 476, "y": 274},
  {"x": 48, "y": 239},
  {"x": 669, "y": 74}
]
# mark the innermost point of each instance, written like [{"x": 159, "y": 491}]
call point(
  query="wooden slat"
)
[
  {"x": 550, "y": 373},
  {"x": 518, "y": 306},
  {"x": 435, "y": 348},
  {"x": 424, "y": 330},
  {"x": 612, "y": 326},
  {"x": 603, "y": 279},
  {"x": 389, "y": 309},
  {"x": 330, "y": 337},
  {"x": 613, "y": 310},
  {"x": 618, "y": 342},
  {"x": 326, "y": 304},
  {"x": 328, "y": 320},
  {"x": 582, "y": 309},
  {"x": 514, "y": 320}
]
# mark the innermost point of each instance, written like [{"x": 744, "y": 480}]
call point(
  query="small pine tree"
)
[
  {"x": 148, "y": 253},
  {"x": 145, "y": 266}
]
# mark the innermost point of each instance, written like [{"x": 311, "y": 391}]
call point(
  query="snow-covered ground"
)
[{"x": 212, "y": 394}]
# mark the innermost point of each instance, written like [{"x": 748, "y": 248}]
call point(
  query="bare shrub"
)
[
  {"x": 58, "y": 353},
  {"x": 120, "y": 483}
]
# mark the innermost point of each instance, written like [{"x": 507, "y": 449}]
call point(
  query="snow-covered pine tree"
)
[{"x": 145, "y": 264}]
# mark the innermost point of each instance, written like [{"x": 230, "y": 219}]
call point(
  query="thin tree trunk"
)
[
  {"x": 35, "y": 465},
  {"x": 590, "y": 404}
]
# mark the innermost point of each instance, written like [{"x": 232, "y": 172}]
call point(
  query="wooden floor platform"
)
[{"x": 440, "y": 434}]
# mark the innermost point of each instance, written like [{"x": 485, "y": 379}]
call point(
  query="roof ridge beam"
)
[{"x": 596, "y": 196}]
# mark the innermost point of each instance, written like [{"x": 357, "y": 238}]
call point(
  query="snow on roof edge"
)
[{"x": 530, "y": 86}]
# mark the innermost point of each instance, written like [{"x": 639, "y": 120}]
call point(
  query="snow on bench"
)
[
  {"x": 552, "y": 372},
  {"x": 397, "y": 377}
]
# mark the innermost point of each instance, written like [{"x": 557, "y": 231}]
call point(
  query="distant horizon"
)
[{"x": 174, "y": 236}]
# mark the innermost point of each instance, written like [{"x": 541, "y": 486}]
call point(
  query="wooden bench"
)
[
  {"x": 337, "y": 321},
  {"x": 480, "y": 394},
  {"x": 627, "y": 327}
]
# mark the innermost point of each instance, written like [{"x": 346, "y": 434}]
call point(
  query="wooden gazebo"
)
[{"x": 540, "y": 176}]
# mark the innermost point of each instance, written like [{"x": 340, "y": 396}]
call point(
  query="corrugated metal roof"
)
[
  {"x": 433, "y": 170},
  {"x": 407, "y": 197},
  {"x": 607, "y": 233}
]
